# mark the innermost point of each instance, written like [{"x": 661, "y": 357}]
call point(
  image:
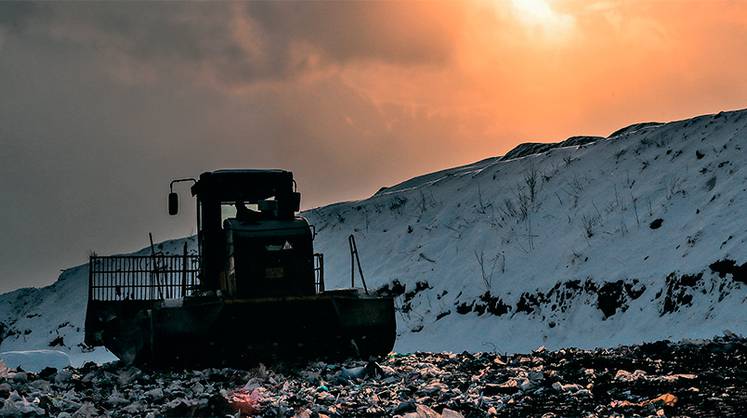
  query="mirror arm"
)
[{"x": 171, "y": 185}]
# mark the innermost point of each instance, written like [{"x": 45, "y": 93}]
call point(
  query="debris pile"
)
[{"x": 690, "y": 378}]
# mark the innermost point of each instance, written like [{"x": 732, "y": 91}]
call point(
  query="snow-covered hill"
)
[
  {"x": 53, "y": 317},
  {"x": 588, "y": 242}
]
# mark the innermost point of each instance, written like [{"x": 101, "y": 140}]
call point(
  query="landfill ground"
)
[{"x": 696, "y": 378}]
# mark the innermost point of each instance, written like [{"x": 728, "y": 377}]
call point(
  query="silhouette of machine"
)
[{"x": 253, "y": 292}]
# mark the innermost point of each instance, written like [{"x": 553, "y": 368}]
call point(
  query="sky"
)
[{"x": 102, "y": 104}]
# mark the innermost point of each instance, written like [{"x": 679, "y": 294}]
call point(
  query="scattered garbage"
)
[{"x": 690, "y": 378}]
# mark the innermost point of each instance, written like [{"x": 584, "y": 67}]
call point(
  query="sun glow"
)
[
  {"x": 536, "y": 10},
  {"x": 540, "y": 13}
]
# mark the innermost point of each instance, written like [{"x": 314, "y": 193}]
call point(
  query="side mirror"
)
[{"x": 173, "y": 203}]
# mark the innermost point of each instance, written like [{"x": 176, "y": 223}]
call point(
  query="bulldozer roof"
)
[{"x": 243, "y": 185}]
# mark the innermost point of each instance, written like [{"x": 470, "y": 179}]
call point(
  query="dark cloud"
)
[
  {"x": 103, "y": 103},
  {"x": 242, "y": 43},
  {"x": 344, "y": 31},
  {"x": 14, "y": 14}
]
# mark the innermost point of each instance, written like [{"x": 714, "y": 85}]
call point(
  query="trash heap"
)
[{"x": 692, "y": 378}]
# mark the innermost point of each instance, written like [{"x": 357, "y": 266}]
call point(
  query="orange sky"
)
[
  {"x": 440, "y": 82},
  {"x": 113, "y": 99},
  {"x": 544, "y": 69}
]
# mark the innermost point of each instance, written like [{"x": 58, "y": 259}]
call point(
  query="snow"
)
[
  {"x": 576, "y": 263},
  {"x": 53, "y": 317},
  {"x": 589, "y": 221},
  {"x": 35, "y": 360}
]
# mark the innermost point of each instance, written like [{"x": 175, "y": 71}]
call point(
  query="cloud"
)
[
  {"x": 105, "y": 101},
  {"x": 541, "y": 14},
  {"x": 15, "y": 14},
  {"x": 245, "y": 43}
]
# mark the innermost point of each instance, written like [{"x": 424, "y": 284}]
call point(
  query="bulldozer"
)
[{"x": 253, "y": 291}]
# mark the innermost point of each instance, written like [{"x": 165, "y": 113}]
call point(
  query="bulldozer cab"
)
[{"x": 251, "y": 242}]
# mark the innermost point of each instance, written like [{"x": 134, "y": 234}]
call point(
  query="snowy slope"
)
[
  {"x": 588, "y": 242},
  {"x": 53, "y": 317},
  {"x": 577, "y": 262}
]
